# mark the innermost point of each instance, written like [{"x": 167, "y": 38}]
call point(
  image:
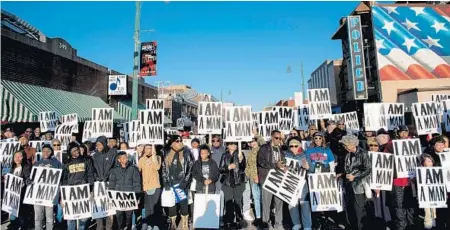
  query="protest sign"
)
[
  {"x": 445, "y": 162},
  {"x": 439, "y": 98},
  {"x": 87, "y": 132},
  {"x": 132, "y": 132},
  {"x": 123, "y": 201},
  {"x": 152, "y": 127},
  {"x": 382, "y": 171},
  {"x": 295, "y": 167},
  {"x": 256, "y": 117},
  {"x": 407, "y": 153},
  {"x": 350, "y": 120},
  {"x": 206, "y": 211},
  {"x": 64, "y": 134},
  {"x": 101, "y": 205},
  {"x": 44, "y": 189},
  {"x": 38, "y": 146},
  {"x": 76, "y": 202},
  {"x": 133, "y": 156},
  {"x": 238, "y": 123},
  {"x": 59, "y": 156},
  {"x": 48, "y": 121},
  {"x": 319, "y": 104},
  {"x": 324, "y": 192},
  {"x": 426, "y": 118},
  {"x": 7, "y": 149},
  {"x": 70, "y": 119},
  {"x": 210, "y": 117},
  {"x": 269, "y": 122},
  {"x": 285, "y": 185},
  {"x": 154, "y": 104},
  {"x": 446, "y": 114},
  {"x": 11, "y": 196},
  {"x": 383, "y": 115},
  {"x": 102, "y": 122},
  {"x": 305, "y": 145},
  {"x": 431, "y": 187},
  {"x": 302, "y": 119},
  {"x": 285, "y": 118}
]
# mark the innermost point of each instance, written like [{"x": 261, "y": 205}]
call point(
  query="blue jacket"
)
[{"x": 319, "y": 154}]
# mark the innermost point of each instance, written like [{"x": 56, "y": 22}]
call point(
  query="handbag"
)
[{"x": 168, "y": 198}]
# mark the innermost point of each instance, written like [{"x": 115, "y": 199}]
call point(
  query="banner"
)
[
  {"x": 383, "y": 115},
  {"x": 44, "y": 190},
  {"x": 285, "y": 185},
  {"x": 102, "y": 122},
  {"x": 148, "y": 59},
  {"x": 76, "y": 202},
  {"x": 132, "y": 132},
  {"x": 63, "y": 133},
  {"x": 286, "y": 118},
  {"x": 38, "y": 146},
  {"x": 210, "y": 117},
  {"x": 324, "y": 192},
  {"x": 407, "y": 153},
  {"x": 319, "y": 104},
  {"x": 238, "y": 123},
  {"x": 269, "y": 122},
  {"x": 426, "y": 117},
  {"x": 152, "y": 126},
  {"x": 446, "y": 114},
  {"x": 431, "y": 187},
  {"x": 350, "y": 120},
  {"x": 357, "y": 76},
  {"x": 117, "y": 85},
  {"x": 154, "y": 104},
  {"x": 11, "y": 196},
  {"x": 382, "y": 171},
  {"x": 48, "y": 121},
  {"x": 70, "y": 119},
  {"x": 101, "y": 205},
  {"x": 123, "y": 201},
  {"x": 7, "y": 150}
]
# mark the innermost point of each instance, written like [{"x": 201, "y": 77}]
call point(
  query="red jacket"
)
[{"x": 400, "y": 182}]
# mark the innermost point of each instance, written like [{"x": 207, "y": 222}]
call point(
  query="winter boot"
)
[
  {"x": 185, "y": 222},
  {"x": 173, "y": 222}
]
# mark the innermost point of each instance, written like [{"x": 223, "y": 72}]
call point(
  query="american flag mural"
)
[{"x": 412, "y": 42}]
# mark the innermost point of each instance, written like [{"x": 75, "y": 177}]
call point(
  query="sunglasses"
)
[
  {"x": 293, "y": 146},
  {"x": 56, "y": 144},
  {"x": 373, "y": 145}
]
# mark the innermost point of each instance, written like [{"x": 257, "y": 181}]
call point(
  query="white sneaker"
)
[{"x": 248, "y": 216}]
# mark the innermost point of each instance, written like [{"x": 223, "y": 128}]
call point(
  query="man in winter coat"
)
[{"x": 125, "y": 178}]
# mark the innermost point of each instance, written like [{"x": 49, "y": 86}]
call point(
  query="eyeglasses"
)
[
  {"x": 277, "y": 138},
  {"x": 293, "y": 146},
  {"x": 56, "y": 144},
  {"x": 373, "y": 145}
]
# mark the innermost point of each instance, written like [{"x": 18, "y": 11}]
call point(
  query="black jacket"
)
[
  {"x": 237, "y": 174},
  {"x": 197, "y": 174},
  {"x": 187, "y": 170},
  {"x": 78, "y": 171},
  {"x": 358, "y": 164},
  {"x": 264, "y": 160},
  {"x": 125, "y": 179},
  {"x": 104, "y": 161}
]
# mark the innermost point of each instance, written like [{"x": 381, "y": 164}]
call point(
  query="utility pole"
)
[{"x": 134, "y": 96}]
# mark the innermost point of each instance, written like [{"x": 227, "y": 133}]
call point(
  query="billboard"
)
[
  {"x": 117, "y": 85},
  {"x": 356, "y": 64},
  {"x": 148, "y": 59},
  {"x": 413, "y": 43}
]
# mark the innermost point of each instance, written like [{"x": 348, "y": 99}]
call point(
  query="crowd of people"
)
[{"x": 237, "y": 175}]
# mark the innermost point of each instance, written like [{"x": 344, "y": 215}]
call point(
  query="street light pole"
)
[{"x": 134, "y": 95}]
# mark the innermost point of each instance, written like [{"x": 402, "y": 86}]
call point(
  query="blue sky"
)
[{"x": 243, "y": 47}]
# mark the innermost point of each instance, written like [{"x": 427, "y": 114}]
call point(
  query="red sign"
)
[{"x": 148, "y": 59}]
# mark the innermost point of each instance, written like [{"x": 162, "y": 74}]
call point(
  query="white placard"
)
[
  {"x": 44, "y": 189},
  {"x": 382, "y": 171},
  {"x": 123, "y": 201},
  {"x": 285, "y": 185},
  {"x": 439, "y": 98},
  {"x": 238, "y": 123},
  {"x": 383, "y": 115},
  {"x": 7, "y": 150},
  {"x": 350, "y": 120},
  {"x": 70, "y": 119},
  {"x": 38, "y": 146},
  {"x": 154, "y": 104},
  {"x": 256, "y": 117},
  {"x": 117, "y": 85},
  {"x": 102, "y": 122},
  {"x": 407, "y": 153},
  {"x": 324, "y": 192},
  {"x": 206, "y": 211},
  {"x": 431, "y": 189},
  {"x": 152, "y": 126},
  {"x": 319, "y": 104},
  {"x": 101, "y": 205},
  {"x": 11, "y": 197},
  {"x": 426, "y": 118},
  {"x": 132, "y": 132},
  {"x": 446, "y": 114},
  {"x": 303, "y": 121},
  {"x": 210, "y": 117},
  {"x": 76, "y": 202},
  {"x": 63, "y": 133},
  {"x": 286, "y": 118},
  {"x": 87, "y": 132},
  {"x": 269, "y": 122},
  {"x": 48, "y": 121},
  {"x": 445, "y": 162}
]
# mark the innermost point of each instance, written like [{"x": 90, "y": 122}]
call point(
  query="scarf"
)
[{"x": 175, "y": 168}]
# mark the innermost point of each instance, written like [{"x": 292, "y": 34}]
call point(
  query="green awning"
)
[
  {"x": 124, "y": 108},
  {"x": 23, "y": 103}
]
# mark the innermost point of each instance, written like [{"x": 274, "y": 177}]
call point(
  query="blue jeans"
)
[
  {"x": 256, "y": 191},
  {"x": 305, "y": 209},
  {"x": 82, "y": 224},
  {"x": 59, "y": 213},
  {"x": 134, "y": 217}
]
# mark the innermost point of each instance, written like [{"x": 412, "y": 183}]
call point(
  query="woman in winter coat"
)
[
  {"x": 22, "y": 169},
  {"x": 319, "y": 155},
  {"x": 205, "y": 171},
  {"x": 232, "y": 168}
]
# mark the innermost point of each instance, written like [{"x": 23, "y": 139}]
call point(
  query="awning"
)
[
  {"x": 23, "y": 103},
  {"x": 124, "y": 108}
]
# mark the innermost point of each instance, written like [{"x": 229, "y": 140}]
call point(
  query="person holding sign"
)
[
  {"x": 48, "y": 161},
  {"x": 126, "y": 178},
  {"x": 429, "y": 220},
  {"x": 22, "y": 169},
  {"x": 176, "y": 170},
  {"x": 319, "y": 156},
  {"x": 232, "y": 168},
  {"x": 205, "y": 171},
  {"x": 270, "y": 157},
  {"x": 437, "y": 146},
  {"x": 357, "y": 169},
  {"x": 149, "y": 166}
]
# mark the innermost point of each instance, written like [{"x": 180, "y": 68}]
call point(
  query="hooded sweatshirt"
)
[
  {"x": 319, "y": 154},
  {"x": 104, "y": 161},
  {"x": 78, "y": 171}
]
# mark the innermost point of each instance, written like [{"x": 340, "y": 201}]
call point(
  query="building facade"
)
[{"x": 326, "y": 76}]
